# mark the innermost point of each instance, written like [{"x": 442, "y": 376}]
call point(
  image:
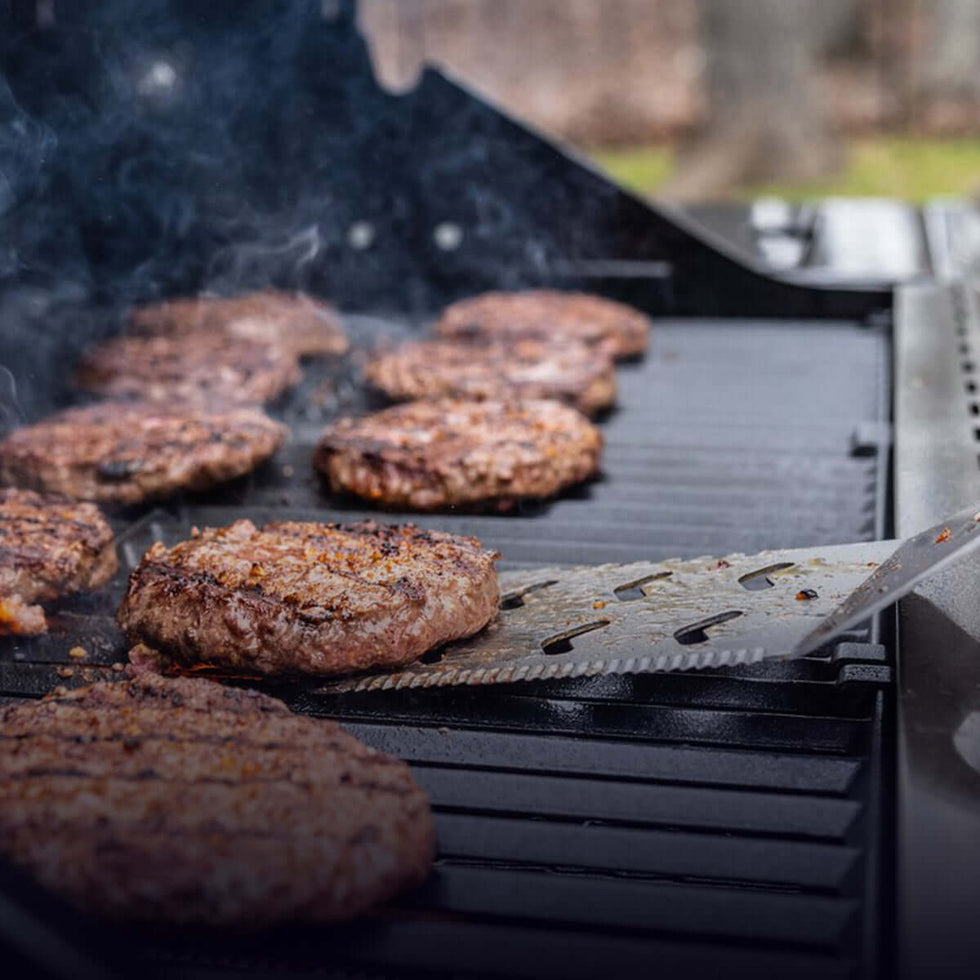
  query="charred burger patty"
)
[
  {"x": 428, "y": 455},
  {"x": 196, "y": 368},
  {"x": 130, "y": 452},
  {"x": 49, "y": 547},
  {"x": 300, "y": 324},
  {"x": 521, "y": 368},
  {"x": 615, "y": 327},
  {"x": 298, "y": 597},
  {"x": 179, "y": 800}
]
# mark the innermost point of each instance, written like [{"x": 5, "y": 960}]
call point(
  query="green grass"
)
[{"x": 899, "y": 167}]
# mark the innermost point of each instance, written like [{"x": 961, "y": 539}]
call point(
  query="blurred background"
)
[{"x": 717, "y": 100}]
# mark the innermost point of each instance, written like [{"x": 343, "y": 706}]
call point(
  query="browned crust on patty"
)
[
  {"x": 299, "y": 323},
  {"x": 178, "y": 800},
  {"x": 599, "y": 322},
  {"x": 130, "y": 452},
  {"x": 196, "y": 368},
  {"x": 298, "y": 597},
  {"x": 437, "y": 454},
  {"x": 522, "y": 368},
  {"x": 50, "y": 546}
]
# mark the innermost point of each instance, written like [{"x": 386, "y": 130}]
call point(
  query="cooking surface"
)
[
  {"x": 711, "y": 820},
  {"x": 730, "y": 436}
]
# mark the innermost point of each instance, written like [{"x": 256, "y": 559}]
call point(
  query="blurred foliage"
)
[{"x": 899, "y": 167}]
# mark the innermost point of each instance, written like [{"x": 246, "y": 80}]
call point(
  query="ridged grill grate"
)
[{"x": 697, "y": 823}]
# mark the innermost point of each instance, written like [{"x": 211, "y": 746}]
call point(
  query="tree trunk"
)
[
  {"x": 764, "y": 122},
  {"x": 951, "y": 69}
]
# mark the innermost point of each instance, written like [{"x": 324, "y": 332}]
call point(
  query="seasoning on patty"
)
[
  {"x": 196, "y": 368},
  {"x": 615, "y": 327},
  {"x": 49, "y": 547},
  {"x": 445, "y": 453},
  {"x": 305, "y": 326},
  {"x": 302, "y": 597},
  {"x": 130, "y": 452},
  {"x": 520, "y": 368},
  {"x": 180, "y": 800}
]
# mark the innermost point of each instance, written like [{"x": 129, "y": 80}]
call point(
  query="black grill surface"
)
[{"x": 701, "y": 823}]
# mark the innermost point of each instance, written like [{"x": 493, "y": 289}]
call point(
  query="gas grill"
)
[{"x": 738, "y": 820}]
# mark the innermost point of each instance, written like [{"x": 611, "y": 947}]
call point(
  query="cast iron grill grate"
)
[{"x": 722, "y": 820}]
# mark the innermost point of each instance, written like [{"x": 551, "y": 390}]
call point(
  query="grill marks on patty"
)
[
  {"x": 430, "y": 455},
  {"x": 616, "y": 328},
  {"x": 237, "y": 813},
  {"x": 130, "y": 452},
  {"x": 301, "y": 597},
  {"x": 298, "y": 323},
  {"x": 49, "y": 546},
  {"x": 523, "y": 367},
  {"x": 200, "y": 368}
]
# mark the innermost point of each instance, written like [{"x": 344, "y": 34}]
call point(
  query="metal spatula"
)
[
  {"x": 680, "y": 615},
  {"x": 915, "y": 559}
]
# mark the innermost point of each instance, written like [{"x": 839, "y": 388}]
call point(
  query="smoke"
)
[
  {"x": 11, "y": 414},
  {"x": 268, "y": 258},
  {"x": 142, "y": 143},
  {"x": 163, "y": 147},
  {"x": 151, "y": 148}
]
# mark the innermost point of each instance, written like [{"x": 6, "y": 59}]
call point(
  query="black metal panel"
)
[{"x": 164, "y": 149}]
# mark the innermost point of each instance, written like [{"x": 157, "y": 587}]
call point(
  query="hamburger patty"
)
[
  {"x": 196, "y": 368},
  {"x": 300, "y": 324},
  {"x": 522, "y": 368},
  {"x": 308, "y": 598},
  {"x": 179, "y": 800},
  {"x": 428, "y": 455},
  {"x": 617, "y": 328},
  {"x": 130, "y": 452},
  {"x": 49, "y": 547}
]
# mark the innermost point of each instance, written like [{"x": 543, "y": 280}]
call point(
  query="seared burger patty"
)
[
  {"x": 308, "y": 598},
  {"x": 598, "y": 322},
  {"x": 179, "y": 800},
  {"x": 300, "y": 324},
  {"x": 130, "y": 452},
  {"x": 49, "y": 546},
  {"x": 521, "y": 368},
  {"x": 198, "y": 368},
  {"x": 447, "y": 453}
]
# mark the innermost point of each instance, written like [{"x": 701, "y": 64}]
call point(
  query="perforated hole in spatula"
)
[
  {"x": 696, "y": 632},
  {"x": 515, "y": 599},
  {"x": 562, "y": 642},
  {"x": 759, "y": 580},
  {"x": 634, "y": 590}
]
